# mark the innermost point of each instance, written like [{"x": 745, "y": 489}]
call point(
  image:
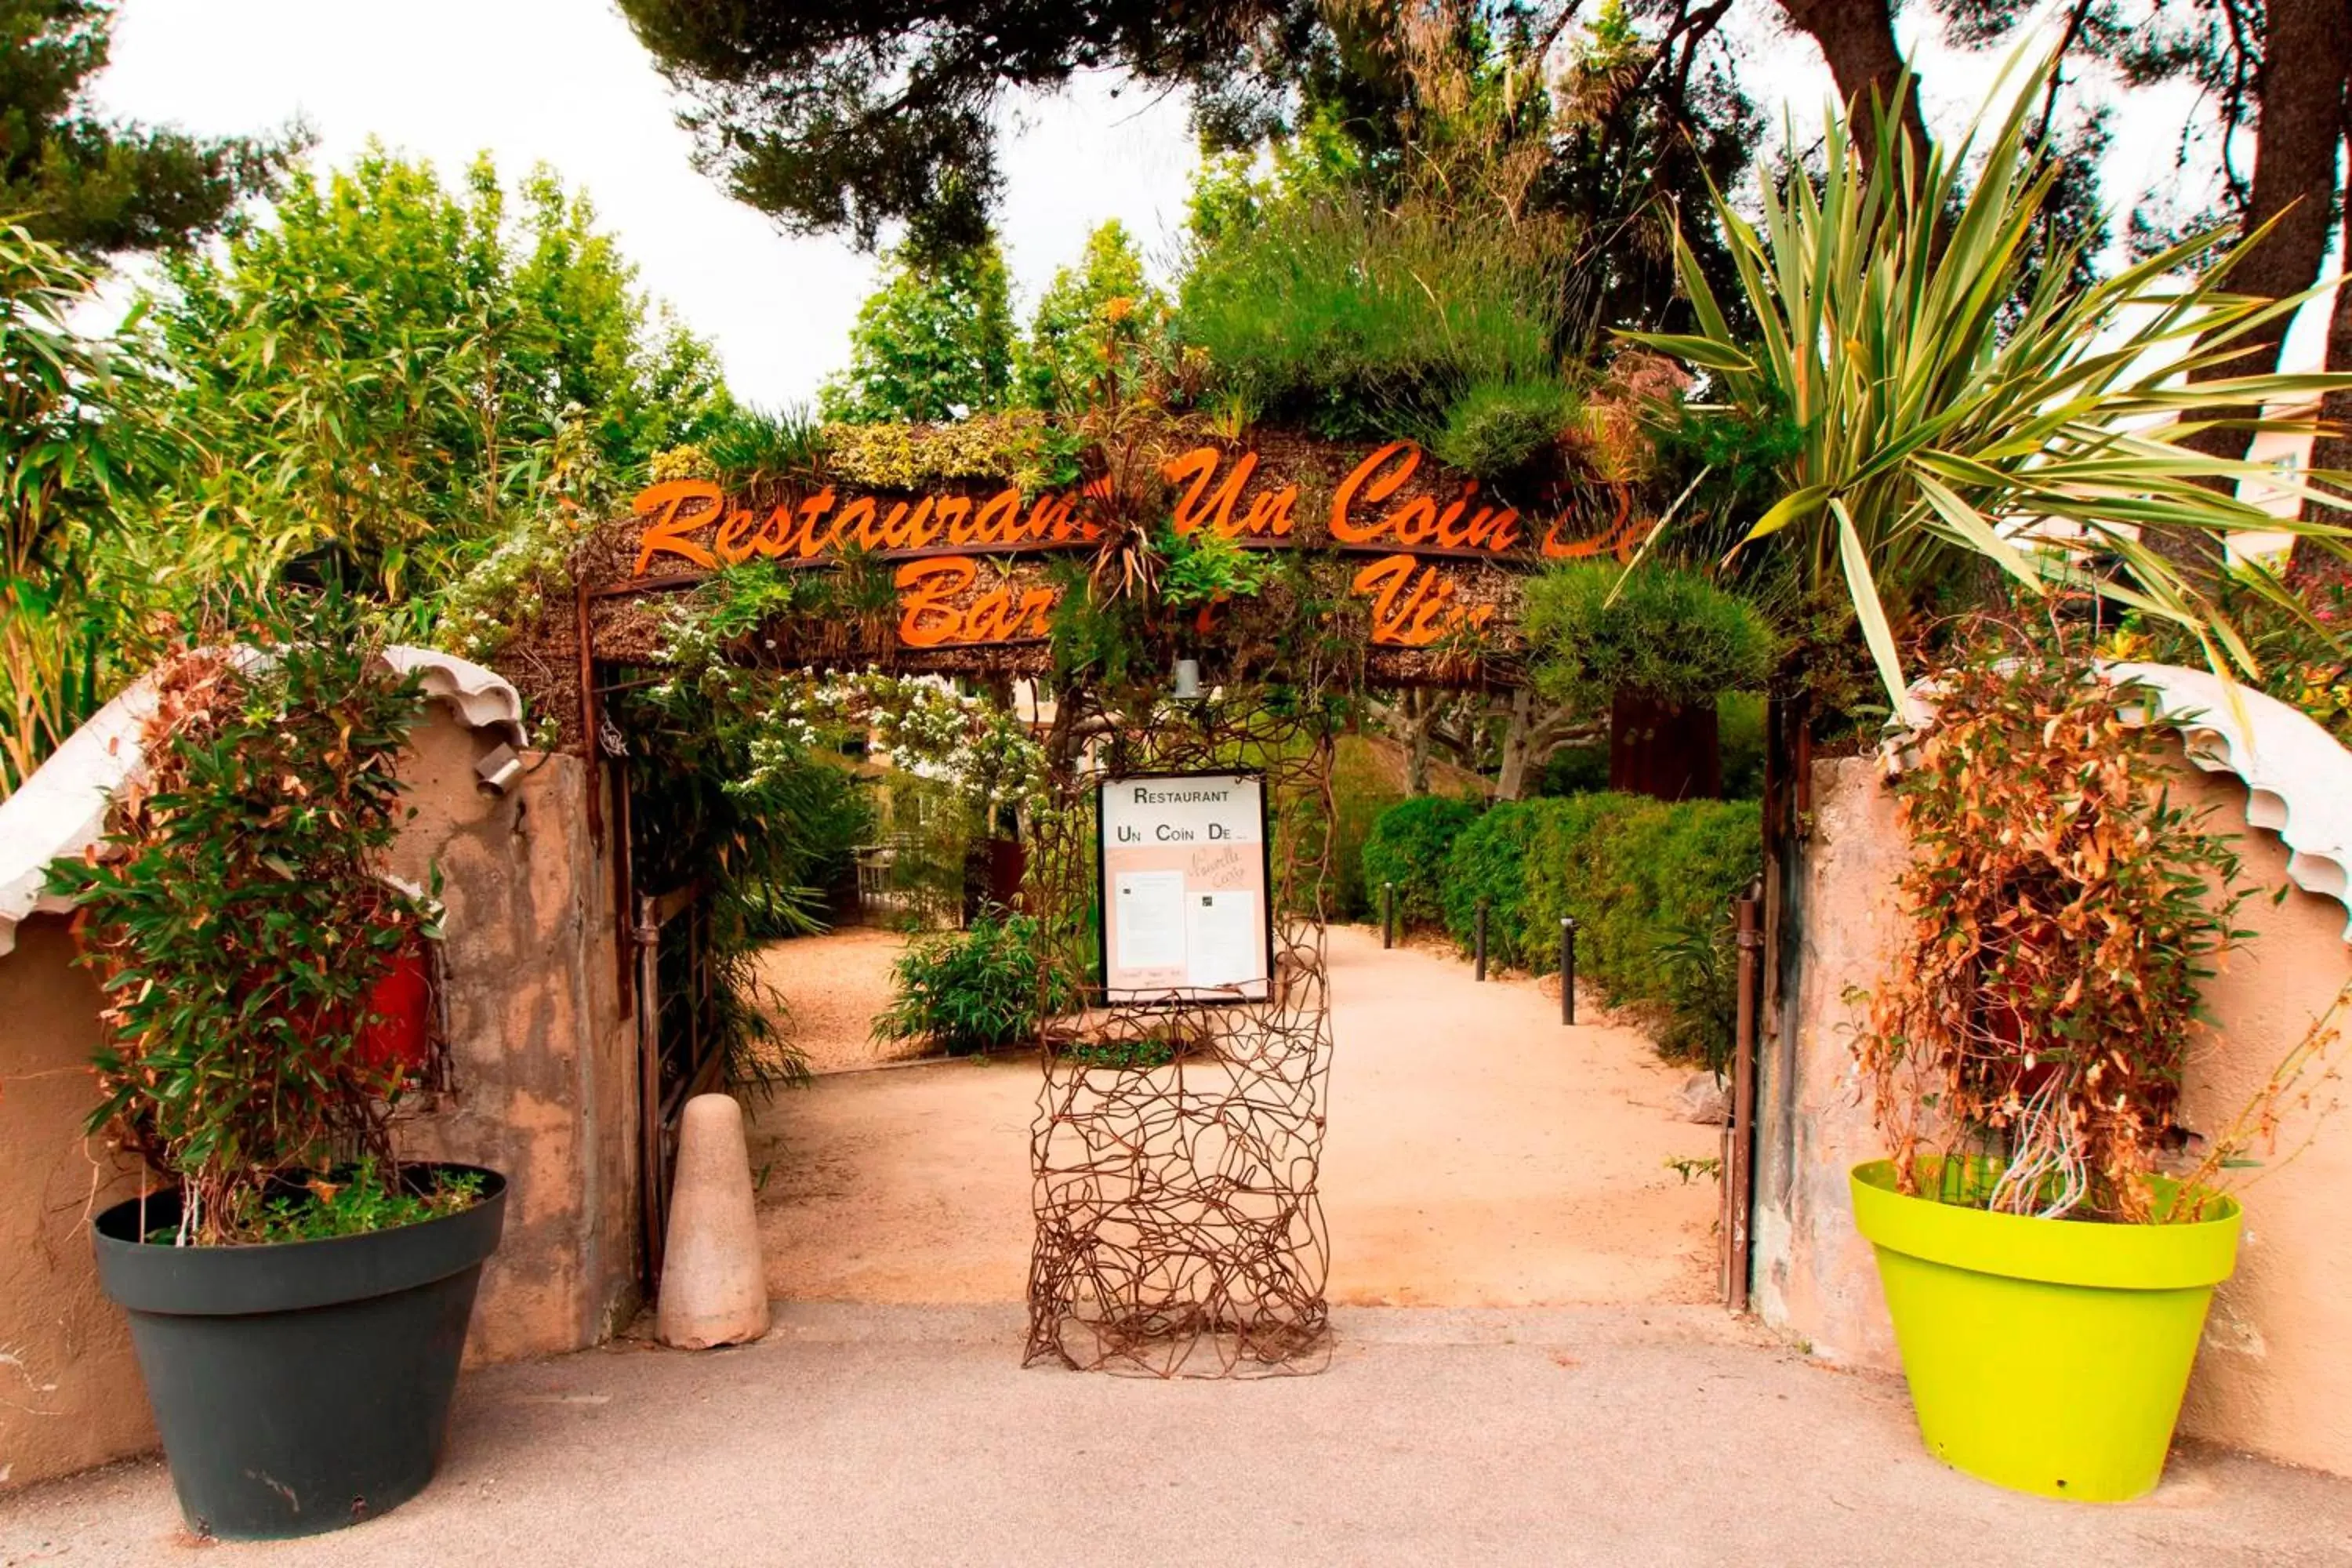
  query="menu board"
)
[{"x": 1184, "y": 914}]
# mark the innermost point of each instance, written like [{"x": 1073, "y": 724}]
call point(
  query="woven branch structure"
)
[{"x": 1180, "y": 1227}]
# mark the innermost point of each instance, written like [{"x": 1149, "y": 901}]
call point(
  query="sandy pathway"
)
[
  {"x": 833, "y": 985},
  {"x": 1479, "y": 1155}
]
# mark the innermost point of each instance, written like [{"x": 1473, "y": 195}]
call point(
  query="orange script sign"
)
[
  {"x": 947, "y": 599},
  {"x": 817, "y": 526}
]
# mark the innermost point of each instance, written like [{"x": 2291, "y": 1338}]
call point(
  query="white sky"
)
[{"x": 565, "y": 82}]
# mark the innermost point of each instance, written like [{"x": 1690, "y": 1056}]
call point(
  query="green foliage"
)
[
  {"x": 1488, "y": 863},
  {"x": 1436, "y": 107},
  {"x": 1595, "y": 628},
  {"x": 510, "y": 584},
  {"x": 1020, "y": 447},
  {"x": 360, "y": 1198},
  {"x": 1650, "y": 886},
  {"x": 1094, "y": 319},
  {"x": 75, "y": 451},
  {"x": 930, "y": 836},
  {"x": 832, "y": 115},
  {"x": 1121, "y": 1055},
  {"x": 1206, "y": 567},
  {"x": 1408, "y": 845},
  {"x": 974, "y": 990},
  {"x": 1581, "y": 769},
  {"x": 1358, "y": 321},
  {"x": 1733, "y": 456},
  {"x": 747, "y": 447},
  {"x": 1317, "y": 160},
  {"x": 1361, "y": 791},
  {"x": 734, "y": 788},
  {"x": 92, "y": 185},
  {"x": 1739, "y": 736},
  {"x": 238, "y": 917},
  {"x": 382, "y": 379},
  {"x": 1952, "y": 381},
  {"x": 933, "y": 343},
  {"x": 1494, "y": 428}
]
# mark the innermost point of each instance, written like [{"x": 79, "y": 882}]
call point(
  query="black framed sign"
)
[{"x": 1183, "y": 887}]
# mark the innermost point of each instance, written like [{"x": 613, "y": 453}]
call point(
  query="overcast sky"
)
[{"x": 564, "y": 82}]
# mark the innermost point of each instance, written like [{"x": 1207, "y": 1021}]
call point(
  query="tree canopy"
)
[
  {"x": 390, "y": 368},
  {"x": 834, "y": 116},
  {"x": 94, "y": 185},
  {"x": 934, "y": 341}
]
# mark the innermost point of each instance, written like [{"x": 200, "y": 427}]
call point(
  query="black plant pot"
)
[{"x": 301, "y": 1386}]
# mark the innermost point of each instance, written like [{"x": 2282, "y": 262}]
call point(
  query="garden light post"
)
[
  {"x": 1567, "y": 969},
  {"x": 1482, "y": 939},
  {"x": 1387, "y": 916}
]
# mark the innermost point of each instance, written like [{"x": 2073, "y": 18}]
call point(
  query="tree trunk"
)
[
  {"x": 1668, "y": 752},
  {"x": 2331, "y": 452},
  {"x": 1419, "y": 707},
  {"x": 1786, "y": 814},
  {"x": 2299, "y": 118},
  {"x": 1511, "y": 778},
  {"x": 1857, "y": 39}
]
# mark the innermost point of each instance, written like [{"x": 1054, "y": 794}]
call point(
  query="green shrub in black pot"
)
[{"x": 298, "y": 1297}]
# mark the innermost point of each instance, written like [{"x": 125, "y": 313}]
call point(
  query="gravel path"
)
[
  {"x": 1478, "y": 1154},
  {"x": 833, "y": 985}
]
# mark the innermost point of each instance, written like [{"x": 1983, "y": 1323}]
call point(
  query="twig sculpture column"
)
[{"x": 1180, "y": 1227}]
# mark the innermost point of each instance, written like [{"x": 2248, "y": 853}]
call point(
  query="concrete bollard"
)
[{"x": 714, "y": 1291}]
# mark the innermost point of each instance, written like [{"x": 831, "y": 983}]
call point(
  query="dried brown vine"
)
[{"x": 2064, "y": 913}]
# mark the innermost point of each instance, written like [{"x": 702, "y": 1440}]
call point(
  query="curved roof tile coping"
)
[
  {"x": 61, "y": 809},
  {"x": 2298, "y": 777}
]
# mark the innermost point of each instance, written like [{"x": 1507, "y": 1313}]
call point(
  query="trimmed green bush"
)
[
  {"x": 1649, "y": 884},
  {"x": 1489, "y": 861},
  {"x": 1408, "y": 845},
  {"x": 1596, "y": 628}
]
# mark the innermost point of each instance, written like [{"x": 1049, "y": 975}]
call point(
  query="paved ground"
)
[
  {"x": 1479, "y": 1155},
  {"x": 1603, "y": 1436}
]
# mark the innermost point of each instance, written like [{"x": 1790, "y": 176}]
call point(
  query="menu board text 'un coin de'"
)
[{"x": 1184, "y": 889}]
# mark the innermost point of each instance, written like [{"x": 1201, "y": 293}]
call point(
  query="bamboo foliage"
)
[
  {"x": 69, "y": 459},
  {"x": 1958, "y": 396}
]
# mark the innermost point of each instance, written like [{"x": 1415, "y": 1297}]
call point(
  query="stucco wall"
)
[
  {"x": 1813, "y": 1273},
  {"x": 70, "y": 1393},
  {"x": 543, "y": 1067},
  {"x": 544, "y": 1076},
  {"x": 2273, "y": 1375}
]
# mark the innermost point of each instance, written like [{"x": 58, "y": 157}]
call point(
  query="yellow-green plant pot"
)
[{"x": 2044, "y": 1355}]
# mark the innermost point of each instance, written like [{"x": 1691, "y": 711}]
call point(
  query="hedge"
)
[
  {"x": 1408, "y": 845},
  {"x": 1650, "y": 886}
]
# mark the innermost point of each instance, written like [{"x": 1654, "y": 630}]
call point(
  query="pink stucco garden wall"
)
[
  {"x": 543, "y": 1075},
  {"x": 2272, "y": 1376}
]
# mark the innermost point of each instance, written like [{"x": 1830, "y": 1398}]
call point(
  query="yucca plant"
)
[{"x": 1958, "y": 394}]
